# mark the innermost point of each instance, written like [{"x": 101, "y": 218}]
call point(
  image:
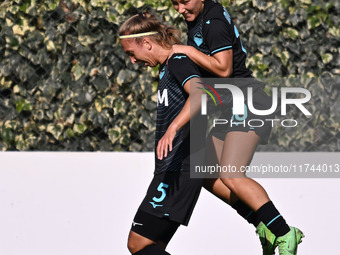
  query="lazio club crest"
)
[{"x": 198, "y": 38}]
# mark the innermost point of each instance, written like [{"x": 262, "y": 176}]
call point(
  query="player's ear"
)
[{"x": 147, "y": 43}]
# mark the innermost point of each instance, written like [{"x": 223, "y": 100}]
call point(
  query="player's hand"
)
[
  {"x": 165, "y": 143},
  {"x": 177, "y": 48}
]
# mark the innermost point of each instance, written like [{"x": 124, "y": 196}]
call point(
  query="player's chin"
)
[
  {"x": 149, "y": 64},
  {"x": 142, "y": 63},
  {"x": 189, "y": 17}
]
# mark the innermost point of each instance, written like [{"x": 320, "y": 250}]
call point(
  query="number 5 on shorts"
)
[{"x": 161, "y": 187}]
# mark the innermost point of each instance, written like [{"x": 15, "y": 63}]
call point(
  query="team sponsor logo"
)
[
  {"x": 136, "y": 224},
  {"x": 155, "y": 205},
  {"x": 180, "y": 57}
]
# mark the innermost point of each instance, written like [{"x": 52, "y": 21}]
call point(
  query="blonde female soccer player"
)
[{"x": 172, "y": 194}]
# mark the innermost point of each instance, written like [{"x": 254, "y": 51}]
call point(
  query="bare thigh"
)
[
  {"x": 215, "y": 185},
  {"x": 237, "y": 153}
]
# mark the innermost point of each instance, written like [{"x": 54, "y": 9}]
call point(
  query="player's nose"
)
[
  {"x": 132, "y": 59},
  {"x": 181, "y": 8}
]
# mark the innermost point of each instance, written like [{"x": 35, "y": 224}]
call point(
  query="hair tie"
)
[{"x": 137, "y": 35}]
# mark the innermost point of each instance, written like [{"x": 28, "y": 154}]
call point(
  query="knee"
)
[
  {"x": 137, "y": 242},
  {"x": 133, "y": 247},
  {"x": 231, "y": 183},
  {"x": 133, "y": 244}
]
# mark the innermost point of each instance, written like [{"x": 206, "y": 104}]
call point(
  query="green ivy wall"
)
[{"x": 65, "y": 83}]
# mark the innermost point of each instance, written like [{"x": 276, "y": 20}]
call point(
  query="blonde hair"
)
[{"x": 145, "y": 22}]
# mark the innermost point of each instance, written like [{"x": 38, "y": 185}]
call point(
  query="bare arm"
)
[
  {"x": 220, "y": 63},
  {"x": 191, "y": 107}
]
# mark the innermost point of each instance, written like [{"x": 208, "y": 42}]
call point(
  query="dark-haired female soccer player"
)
[{"x": 214, "y": 44}]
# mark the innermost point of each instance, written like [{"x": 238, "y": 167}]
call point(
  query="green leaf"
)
[
  {"x": 101, "y": 83},
  {"x": 7, "y": 135},
  {"x": 114, "y": 134},
  {"x": 23, "y": 105},
  {"x": 77, "y": 71},
  {"x": 291, "y": 33},
  {"x": 79, "y": 128},
  {"x": 55, "y": 130},
  {"x": 313, "y": 22},
  {"x": 70, "y": 133},
  {"x": 327, "y": 58}
]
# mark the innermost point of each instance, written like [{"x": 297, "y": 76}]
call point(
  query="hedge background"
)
[{"x": 66, "y": 84}]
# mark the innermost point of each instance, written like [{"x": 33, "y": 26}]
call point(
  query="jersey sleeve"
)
[
  {"x": 218, "y": 30},
  {"x": 183, "y": 68}
]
